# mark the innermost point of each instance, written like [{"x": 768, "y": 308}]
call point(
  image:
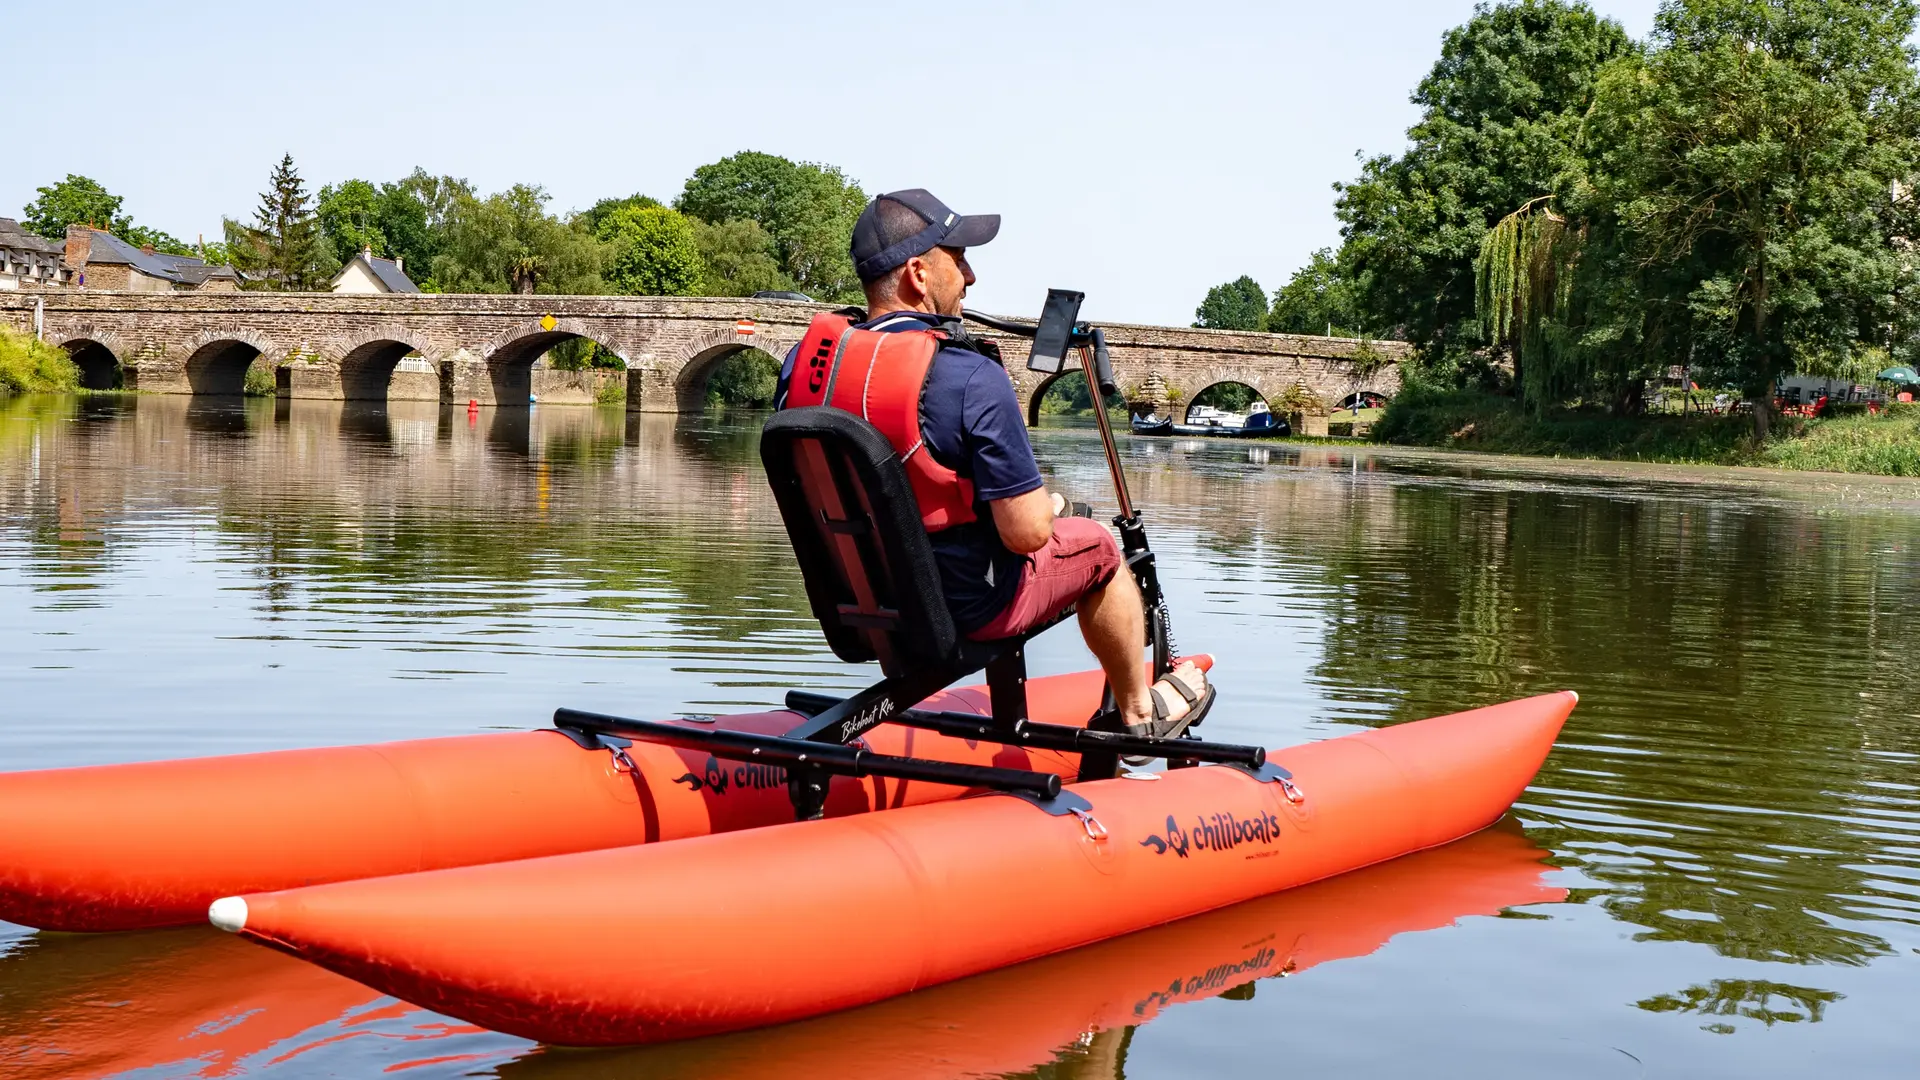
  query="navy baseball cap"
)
[{"x": 882, "y": 242}]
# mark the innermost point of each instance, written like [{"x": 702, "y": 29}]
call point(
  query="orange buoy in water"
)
[
  {"x": 122, "y": 847},
  {"x": 727, "y": 932}
]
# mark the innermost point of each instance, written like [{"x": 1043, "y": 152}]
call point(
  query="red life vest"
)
[{"x": 880, "y": 377}]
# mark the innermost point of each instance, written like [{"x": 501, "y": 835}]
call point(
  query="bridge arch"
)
[
  {"x": 97, "y": 353},
  {"x": 1060, "y": 380},
  {"x": 704, "y": 354},
  {"x": 216, "y": 361},
  {"x": 510, "y": 354},
  {"x": 366, "y": 360},
  {"x": 1228, "y": 395}
]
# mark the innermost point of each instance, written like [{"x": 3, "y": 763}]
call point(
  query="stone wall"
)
[{"x": 483, "y": 348}]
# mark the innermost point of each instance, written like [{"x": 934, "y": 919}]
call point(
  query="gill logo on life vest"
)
[
  {"x": 1218, "y": 832},
  {"x": 818, "y": 364}
]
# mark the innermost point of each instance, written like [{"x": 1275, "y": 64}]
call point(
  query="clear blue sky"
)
[{"x": 1139, "y": 151}]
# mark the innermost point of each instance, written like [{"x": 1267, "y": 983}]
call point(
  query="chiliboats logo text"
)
[{"x": 1215, "y": 832}]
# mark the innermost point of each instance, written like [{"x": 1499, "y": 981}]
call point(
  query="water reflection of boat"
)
[
  {"x": 198, "y": 1003},
  {"x": 1258, "y": 425}
]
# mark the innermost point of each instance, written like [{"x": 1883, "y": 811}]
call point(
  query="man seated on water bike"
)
[{"x": 1009, "y": 560}]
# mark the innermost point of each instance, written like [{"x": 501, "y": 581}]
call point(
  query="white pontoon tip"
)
[{"x": 229, "y": 913}]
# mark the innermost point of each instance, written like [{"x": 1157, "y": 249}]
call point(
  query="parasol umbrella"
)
[{"x": 1902, "y": 374}]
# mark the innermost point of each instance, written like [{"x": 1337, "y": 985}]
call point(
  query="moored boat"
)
[
  {"x": 121, "y": 847},
  {"x": 729, "y": 932}
]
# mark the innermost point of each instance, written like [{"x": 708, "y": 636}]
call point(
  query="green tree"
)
[
  {"x": 507, "y": 242},
  {"x": 1240, "y": 304},
  {"x": 650, "y": 252},
  {"x": 1743, "y": 171},
  {"x": 350, "y": 217},
  {"x": 77, "y": 200},
  {"x": 1500, "y": 115},
  {"x": 395, "y": 219},
  {"x": 808, "y": 210},
  {"x": 1318, "y": 299},
  {"x": 284, "y": 248},
  {"x": 591, "y": 217},
  {"x": 739, "y": 258}
]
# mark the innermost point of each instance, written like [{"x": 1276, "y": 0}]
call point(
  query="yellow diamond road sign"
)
[{"x": 548, "y": 322}]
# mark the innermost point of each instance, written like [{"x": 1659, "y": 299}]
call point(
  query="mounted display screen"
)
[{"x": 1051, "y": 338}]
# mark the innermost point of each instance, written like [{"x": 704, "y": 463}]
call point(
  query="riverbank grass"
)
[
  {"x": 1886, "y": 445},
  {"x": 29, "y": 365}
]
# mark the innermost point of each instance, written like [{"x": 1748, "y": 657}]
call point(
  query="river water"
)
[{"x": 1716, "y": 874}]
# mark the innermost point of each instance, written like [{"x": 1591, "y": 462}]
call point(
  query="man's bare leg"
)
[{"x": 1114, "y": 621}]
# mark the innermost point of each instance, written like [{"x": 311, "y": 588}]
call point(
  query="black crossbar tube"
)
[
  {"x": 828, "y": 757},
  {"x": 961, "y": 725}
]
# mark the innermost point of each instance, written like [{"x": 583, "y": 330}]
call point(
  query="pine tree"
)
[{"x": 283, "y": 248}]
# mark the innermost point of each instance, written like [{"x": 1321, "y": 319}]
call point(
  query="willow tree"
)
[{"x": 1523, "y": 295}]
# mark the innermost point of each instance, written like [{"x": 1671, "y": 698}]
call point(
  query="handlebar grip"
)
[{"x": 1103, "y": 365}]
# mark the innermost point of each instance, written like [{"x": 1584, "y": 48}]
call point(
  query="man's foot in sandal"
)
[{"x": 1180, "y": 699}]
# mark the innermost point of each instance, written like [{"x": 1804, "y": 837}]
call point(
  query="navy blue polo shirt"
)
[{"x": 973, "y": 425}]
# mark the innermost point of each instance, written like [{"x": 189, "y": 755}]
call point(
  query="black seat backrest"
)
[{"x": 856, "y": 529}]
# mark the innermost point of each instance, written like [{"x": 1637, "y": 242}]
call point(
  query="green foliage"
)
[
  {"x": 1068, "y": 395},
  {"x": 1888, "y": 444},
  {"x": 140, "y": 236},
  {"x": 1500, "y": 119},
  {"x": 591, "y": 218},
  {"x": 650, "y": 252},
  {"x": 1318, "y": 299},
  {"x": 745, "y": 378},
  {"x": 283, "y": 249},
  {"x": 1740, "y": 176},
  {"x": 258, "y": 381},
  {"x": 29, "y": 365},
  {"x": 611, "y": 392},
  {"x": 739, "y": 259},
  {"x": 1524, "y": 278},
  {"x": 77, "y": 200},
  {"x": 507, "y": 242},
  {"x": 396, "y": 220},
  {"x": 1240, "y": 304},
  {"x": 581, "y": 354},
  {"x": 808, "y": 210}
]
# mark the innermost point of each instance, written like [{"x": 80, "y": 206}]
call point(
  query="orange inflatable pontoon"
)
[
  {"x": 123, "y": 847},
  {"x": 198, "y": 1003},
  {"x": 727, "y": 932}
]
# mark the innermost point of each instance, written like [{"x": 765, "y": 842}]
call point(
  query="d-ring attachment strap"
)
[
  {"x": 1096, "y": 832},
  {"x": 1292, "y": 791}
]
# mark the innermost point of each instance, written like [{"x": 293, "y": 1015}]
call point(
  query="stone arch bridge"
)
[{"x": 484, "y": 348}]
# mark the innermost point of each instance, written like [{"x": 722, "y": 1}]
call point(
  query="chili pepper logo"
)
[
  {"x": 713, "y": 777},
  {"x": 1175, "y": 840}
]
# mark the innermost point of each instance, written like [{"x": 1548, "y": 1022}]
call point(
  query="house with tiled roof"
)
[
  {"x": 28, "y": 259},
  {"x": 364, "y": 273},
  {"x": 97, "y": 259}
]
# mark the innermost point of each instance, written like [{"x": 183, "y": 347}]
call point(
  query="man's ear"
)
[{"x": 913, "y": 280}]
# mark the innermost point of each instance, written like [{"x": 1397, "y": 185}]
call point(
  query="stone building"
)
[
  {"x": 365, "y": 273},
  {"x": 28, "y": 259},
  {"x": 100, "y": 260}
]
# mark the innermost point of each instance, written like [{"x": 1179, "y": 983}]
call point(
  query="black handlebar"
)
[{"x": 1005, "y": 326}]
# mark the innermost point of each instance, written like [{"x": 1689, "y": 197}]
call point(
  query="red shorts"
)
[{"x": 1081, "y": 557}]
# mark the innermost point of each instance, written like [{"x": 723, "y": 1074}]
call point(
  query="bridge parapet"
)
[{"x": 481, "y": 347}]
